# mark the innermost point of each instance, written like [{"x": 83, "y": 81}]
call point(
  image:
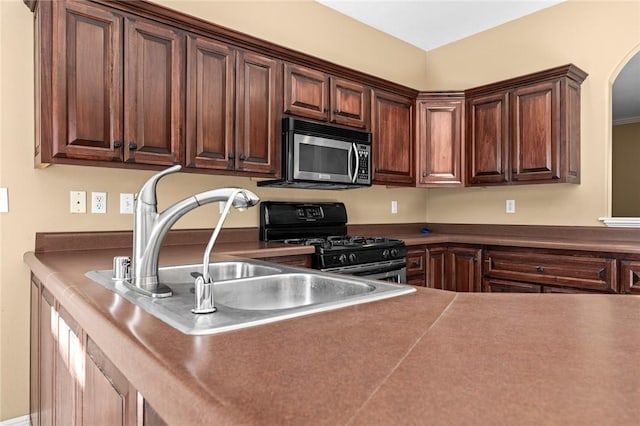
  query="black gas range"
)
[{"x": 324, "y": 226}]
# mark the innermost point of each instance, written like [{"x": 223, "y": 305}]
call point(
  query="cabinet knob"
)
[
  {"x": 336, "y": 111},
  {"x": 540, "y": 268},
  {"x": 117, "y": 144},
  {"x": 325, "y": 110},
  {"x": 133, "y": 146},
  {"x": 243, "y": 157},
  {"x": 231, "y": 156}
]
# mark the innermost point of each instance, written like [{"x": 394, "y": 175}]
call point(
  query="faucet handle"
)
[{"x": 147, "y": 193}]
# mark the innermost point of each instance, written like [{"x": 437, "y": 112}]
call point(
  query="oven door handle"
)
[{"x": 353, "y": 168}]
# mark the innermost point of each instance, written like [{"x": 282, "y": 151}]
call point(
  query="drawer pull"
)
[
  {"x": 601, "y": 274},
  {"x": 540, "y": 268}
]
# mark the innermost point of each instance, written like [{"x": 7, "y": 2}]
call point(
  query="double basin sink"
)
[{"x": 249, "y": 293}]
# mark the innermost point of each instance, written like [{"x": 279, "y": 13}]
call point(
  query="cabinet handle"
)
[
  {"x": 540, "y": 268},
  {"x": 475, "y": 259},
  {"x": 601, "y": 274},
  {"x": 243, "y": 157},
  {"x": 117, "y": 144},
  {"x": 417, "y": 263},
  {"x": 231, "y": 156},
  {"x": 336, "y": 111},
  {"x": 133, "y": 146}
]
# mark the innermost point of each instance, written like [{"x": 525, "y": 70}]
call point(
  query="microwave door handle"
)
[{"x": 353, "y": 169}]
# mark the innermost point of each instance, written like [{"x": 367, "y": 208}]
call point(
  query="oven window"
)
[{"x": 323, "y": 159}]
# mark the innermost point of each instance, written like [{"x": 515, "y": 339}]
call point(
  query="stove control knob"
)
[
  {"x": 394, "y": 252},
  {"x": 342, "y": 259},
  {"x": 352, "y": 257},
  {"x": 385, "y": 254}
]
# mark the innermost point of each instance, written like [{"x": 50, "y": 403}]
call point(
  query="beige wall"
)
[
  {"x": 594, "y": 35},
  {"x": 39, "y": 199},
  {"x": 625, "y": 182}
]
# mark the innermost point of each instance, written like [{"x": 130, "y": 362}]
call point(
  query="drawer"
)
[
  {"x": 585, "y": 272},
  {"x": 415, "y": 262}
]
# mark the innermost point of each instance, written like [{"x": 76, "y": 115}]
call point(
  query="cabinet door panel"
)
[
  {"x": 258, "y": 131},
  {"x": 350, "y": 103},
  {"x": 465, "y": 270},
  {"x": 210, "y": 104},
  {"x": 153, "y": 93},
  {"x": 69, "y": 369},
  {"x": 501, "y": 286},
  {"x": 48, "y": 336},
  {"x": 487, "y": 139},
  {"x": 436, "y": 268},
  {"x": 34, "y": 355},
  {"x": 535, "y": 132},
  {"x": 87, "y": 82},
  {"x": 630, "y": 277},
  {"x": 439, "y": 143},
  {"x": 109, "y": 398},
  {"x": 305, "y": 92},
  {"x": 392, "y": 132}
]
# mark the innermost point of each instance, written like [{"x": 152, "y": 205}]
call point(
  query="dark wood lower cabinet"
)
[
  {"x": 454, "y": 268},
  {"x": 72, "y": 381}
]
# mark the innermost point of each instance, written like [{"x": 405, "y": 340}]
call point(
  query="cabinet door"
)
[
  {"x": 153, "y": 93},
  {"x": 68, "y": 369},
  {"x": 437, "y": 268},
  {"x": 87, "y": 82},
  {"x": 34, "y": 354},
  {"x": 210, "y": 112},
  {"x": 416, "y": 261},
  {"x": 392, "y": 129},
  {"x": 439, "y": 142},
  {"x": 465, "y": 272},
  {"x": 108, "y": 398},
  {"x": 487, "y": 139},
  {"x": 46, "y": 354},
  {"x": 258, "y": 130},
  {"x": 305, "y": 92},
  {"x": 350, "y": 104},
  {"x": 535, "y": 137},
  {"x": 630, "y": 277}
]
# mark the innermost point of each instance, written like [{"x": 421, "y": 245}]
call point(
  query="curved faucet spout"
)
[{"x": 150, "y": 227}]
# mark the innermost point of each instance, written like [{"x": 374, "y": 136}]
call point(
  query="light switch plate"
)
[
  {"x": 511, "y": 206},
  {"x": 126, "y": 203},
  {"x": 4, "y": 200}
]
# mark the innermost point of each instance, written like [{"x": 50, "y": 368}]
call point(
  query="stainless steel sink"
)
[
  {"x": 219, "y": 271},
  {"x": 287, "y": 291},
  {"x": 249, "y": 293}
]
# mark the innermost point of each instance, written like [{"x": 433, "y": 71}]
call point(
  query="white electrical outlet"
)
[
  {"x": 78, "y": 202},
  {"x": 126, "y": 203},
  {"x": 99, "y": 202},
  {"x": 394, "y": 207},
  {"x": 4, "y": 200},
  {"x": 511, "y": 206}
]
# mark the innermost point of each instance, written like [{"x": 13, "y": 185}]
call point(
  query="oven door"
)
[
  {"x": 392, "y": 271},
  {"x": 324, "y": 160}
]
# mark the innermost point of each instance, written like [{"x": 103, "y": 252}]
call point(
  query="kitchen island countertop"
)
[{"x": 432, "y": 357}]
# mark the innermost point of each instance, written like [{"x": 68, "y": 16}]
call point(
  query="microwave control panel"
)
[{"x": 364, "y": 166}]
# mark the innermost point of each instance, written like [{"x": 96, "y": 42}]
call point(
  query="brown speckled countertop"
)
[{"x": 432, "y": 357}]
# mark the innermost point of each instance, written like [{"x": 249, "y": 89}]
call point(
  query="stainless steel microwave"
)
[{"x": 321, "y": 156}]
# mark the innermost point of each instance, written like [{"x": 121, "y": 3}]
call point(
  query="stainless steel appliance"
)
[
  {"x": 324, "y": 226},
  {"x": 321, "y": 156}
]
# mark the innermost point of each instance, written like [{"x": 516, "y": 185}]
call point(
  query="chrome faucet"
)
[{"x": 151, "y": 227}]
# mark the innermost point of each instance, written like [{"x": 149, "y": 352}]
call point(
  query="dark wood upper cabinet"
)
[
  {"x": 440, "y": 156},
  {"x": 258, "y": 138},
  {"x": 210, "y": 110},
  {"x": 487, "y": 134},
  {"x": 154, "y": 64},
  {"x": 525, "y": 130},
  {"x": 314, "y": 94},
  {"x": 87, "y": 79},
  {"x": 232, "y": 104},
  {"x": 392, "y": 145}
]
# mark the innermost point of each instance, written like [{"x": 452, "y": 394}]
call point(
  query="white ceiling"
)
[{"x": 428, "y": 24}]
